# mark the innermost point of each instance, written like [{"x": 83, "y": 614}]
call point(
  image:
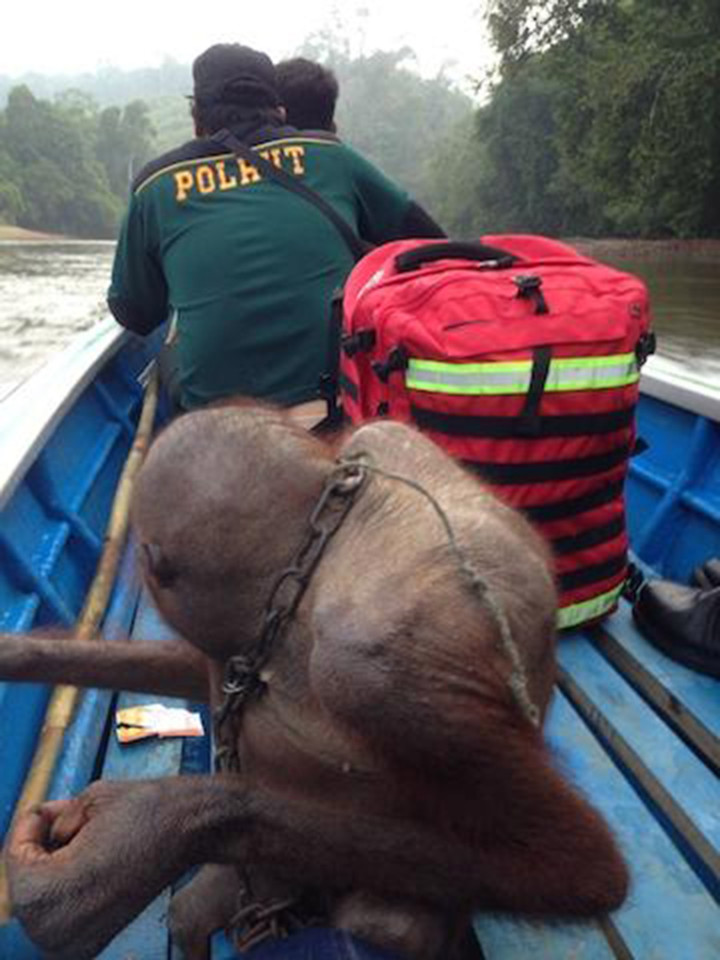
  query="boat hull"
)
[{"x": 625, "y": 720}]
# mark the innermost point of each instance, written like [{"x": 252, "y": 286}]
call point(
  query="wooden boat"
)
[{"x": 635, "y": 730}]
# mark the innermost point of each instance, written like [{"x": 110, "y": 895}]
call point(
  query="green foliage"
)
[
  {"x": 451, "y": 171},
  {"x": 124, "y": 142},
  {"x": 396, "y": 118},
  {"x": 520, "y": 28},
  {"x": 64, "y": 165},
  {"x": 171, "y": 120},
  {"x": 391, "y": 115},
  {"x": 12, "y": 205},
  {"x": 604, "y": 118},
  {"x": 388, "y": 112}
]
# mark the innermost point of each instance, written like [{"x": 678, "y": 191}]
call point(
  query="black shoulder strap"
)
[{"x": 228, "y": 139}]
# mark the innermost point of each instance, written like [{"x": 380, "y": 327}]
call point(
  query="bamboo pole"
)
[{"x": 61, "y": 708}]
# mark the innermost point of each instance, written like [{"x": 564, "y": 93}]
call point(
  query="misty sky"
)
[{"x": 69, "y": 36}]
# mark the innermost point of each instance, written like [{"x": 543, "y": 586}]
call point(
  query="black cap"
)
[{"x": 231, "y": 73}]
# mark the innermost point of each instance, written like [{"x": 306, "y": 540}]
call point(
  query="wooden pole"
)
[
  {"x": 63, "y": 700},
  {"x": 172, "y": 668}
]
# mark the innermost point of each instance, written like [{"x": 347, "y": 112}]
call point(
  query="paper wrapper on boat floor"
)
[{"x": 156, "y": 720}]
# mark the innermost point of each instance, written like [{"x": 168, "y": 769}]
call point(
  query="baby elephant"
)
[{"x": 377, "y": 632}]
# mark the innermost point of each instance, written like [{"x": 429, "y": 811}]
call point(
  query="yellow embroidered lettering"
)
[
  {"x": 205, "y": 177},
  {"x": 248, "y": 173},
  {"x": 296, "y": 153},
  {"x": 273, "y": 156},
  {"x": 226, "y": 183},
  {"x": 183, "y": 183}
]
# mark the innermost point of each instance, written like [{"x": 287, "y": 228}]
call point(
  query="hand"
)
[
  {"x": 80, "y": 869},
  {"x": 41, "y": 836}
]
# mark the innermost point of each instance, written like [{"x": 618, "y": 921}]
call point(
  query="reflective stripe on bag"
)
[
  {"x": 513, "y": 377},
  {"x": 578, "y": 613}
]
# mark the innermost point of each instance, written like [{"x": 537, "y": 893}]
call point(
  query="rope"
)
[{"x": 518, "y": 681}]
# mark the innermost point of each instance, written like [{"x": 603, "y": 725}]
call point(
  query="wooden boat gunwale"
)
[{"x": 665, "y": 381}]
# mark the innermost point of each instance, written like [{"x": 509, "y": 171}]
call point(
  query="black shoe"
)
[
  {"x": 707, "y": 575},
  {"x": 683, "y": 622}
]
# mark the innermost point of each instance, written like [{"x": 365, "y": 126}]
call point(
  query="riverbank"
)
[
  {"x": 15, "y": 234},
  {"x": 697, "y": 251}
]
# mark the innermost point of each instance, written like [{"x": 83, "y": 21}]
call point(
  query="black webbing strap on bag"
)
[
  {"x": 228, "y": 139},
  {"x": 453, "y": 250},
  {"x": 330, "y": 380}
]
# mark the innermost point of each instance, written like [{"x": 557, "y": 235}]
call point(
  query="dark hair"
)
[
  {"x": 211, "y": 117},
  {"x": 309, "y": 92}
]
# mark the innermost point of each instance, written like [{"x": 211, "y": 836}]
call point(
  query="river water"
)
[{"x": 49, "y": 292}]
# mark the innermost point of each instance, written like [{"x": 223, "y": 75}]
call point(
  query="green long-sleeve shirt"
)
[{"x": 249, "y": 267}]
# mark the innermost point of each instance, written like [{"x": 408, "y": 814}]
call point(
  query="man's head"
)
[
  {"x": 309, "y": 93},
  {"x": 231, "y": 83}
]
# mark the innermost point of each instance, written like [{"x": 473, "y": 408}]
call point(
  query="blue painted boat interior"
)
[
  {"x": 673, "y": 491},
  {"x": 636, "y": 731}
]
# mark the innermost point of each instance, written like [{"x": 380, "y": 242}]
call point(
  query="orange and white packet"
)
[{"x": 156, "y": 720}]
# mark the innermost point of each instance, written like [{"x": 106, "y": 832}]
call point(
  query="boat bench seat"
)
[
  {"x": 639, "y": 734},
  {"x": 636, "y": 732},
  {"x": 147, "y": 938}
]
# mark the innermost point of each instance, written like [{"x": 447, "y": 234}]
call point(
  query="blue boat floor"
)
[{"x": 635, "y": 731}]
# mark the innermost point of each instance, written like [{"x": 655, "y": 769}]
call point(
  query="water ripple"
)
[
  {"x": 51, "y": 291},
  {"x": 48, "y": 293}
]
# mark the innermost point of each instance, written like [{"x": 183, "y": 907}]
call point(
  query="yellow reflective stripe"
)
[
  {"x": 513, "y": 377},
  {"x": 593, "y": 373},
  {"x": 442, "y": 367},
  {"x": 487, "y": 378},
  {"x": 611, "y": 360},
  {"x": 589, "y": 609}
]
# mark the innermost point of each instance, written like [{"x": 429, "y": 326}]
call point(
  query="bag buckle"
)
[
  {"x": 529, "y": 288},
  {"x": 645, "y": 346},
  {"x": 397, "y": 360},
  {"x": 363, "y": 340}
]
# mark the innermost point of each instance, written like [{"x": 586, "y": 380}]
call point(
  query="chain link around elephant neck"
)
[
  {"x": 242, "y": 677},
  {"x": 256, "y": 921}
]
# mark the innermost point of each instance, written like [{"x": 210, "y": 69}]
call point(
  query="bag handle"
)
[
  {"x": 452, "y": 250},
  {"x": 228, "y": 139}
]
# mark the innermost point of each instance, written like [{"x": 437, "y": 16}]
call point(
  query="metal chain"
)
[
  {"x": 256, "y": 921},
  {"x": 242, "y": 677}
]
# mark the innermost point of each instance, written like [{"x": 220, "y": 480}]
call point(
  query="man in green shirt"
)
[{"x": 248, "y": 267}]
